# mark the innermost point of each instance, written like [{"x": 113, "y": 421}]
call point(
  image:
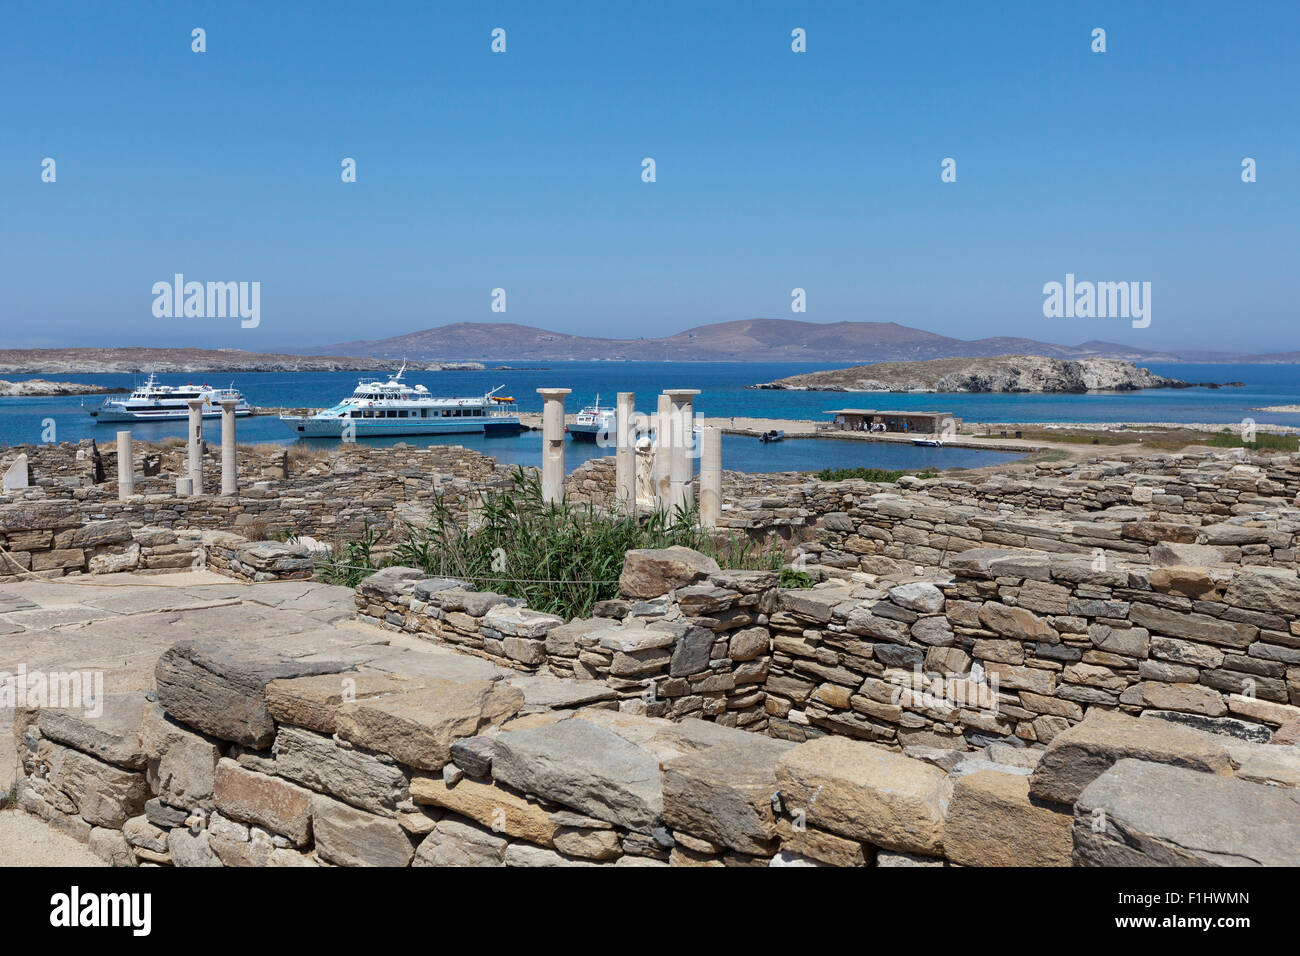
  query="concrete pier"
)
[
  {"x": 625, "y": 454},
  {"x": 710, "y": 477},
  {"x": 681, "y": 472},
  {"x": 229, "y": 458},
  {"x": 553, "y": 443},
  {"x": 125, "y": 467},
  {"x": 196, "y": 446}
]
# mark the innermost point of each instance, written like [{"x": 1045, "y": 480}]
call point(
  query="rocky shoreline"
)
[
  {"x": 39, "y": 388},
  {"x": 1004, "y": 373}
]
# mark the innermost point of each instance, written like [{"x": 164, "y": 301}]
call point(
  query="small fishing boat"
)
[{"x": 771, "y": 436}]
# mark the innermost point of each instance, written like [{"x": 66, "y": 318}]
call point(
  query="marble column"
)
[
  {"x": 125, "y": 467},
  {"x": 710, "y": 477},
  {"x": 196, "y": 446},
  {"x": 553, "y": 443},
  {"x": 681, "y": 470},
  {"x": 229, "y": 455},
  {"x": 625, "y": 454},
  {"x": 662, "y": 461}
]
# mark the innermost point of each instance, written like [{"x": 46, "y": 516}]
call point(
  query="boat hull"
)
[
  {"x": 371, "y": 428},
  {"x": 584, "y": 432},
  {"x": 161, "y": 415}
]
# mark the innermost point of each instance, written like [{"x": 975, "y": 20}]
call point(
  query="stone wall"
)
[
  {"x": 700, "y": 649},
  {"x": 1006, "y": 646},
  {"x": 311, "y": 752},
  {"x": 1019, "y": 645},
  {"x": 334, "y": 495},
  {"x": 1206, "y": 508},
  {"x": 47, "y": 540}
]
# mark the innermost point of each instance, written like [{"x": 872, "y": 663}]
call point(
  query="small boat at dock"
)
[
  {"x": 592, "y": 421},
  {"x": 154, "y": 402},
  {"x": 399, "y": 408},
  {"x": 773, "y": 435},
  {"x": 934, "y": 442}
]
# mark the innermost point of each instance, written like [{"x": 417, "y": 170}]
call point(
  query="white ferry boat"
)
[
  {"x": 592, "y": 421},
  {"x": 398, "y": 408},
  {"x": 154, "y": 402}
]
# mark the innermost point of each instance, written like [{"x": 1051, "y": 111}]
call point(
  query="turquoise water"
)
[{"x": 723, "y": 393}]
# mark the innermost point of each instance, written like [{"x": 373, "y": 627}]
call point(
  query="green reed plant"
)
[
  {"x": 871, "y": 474},
  {"x": 558, "y": 557}
]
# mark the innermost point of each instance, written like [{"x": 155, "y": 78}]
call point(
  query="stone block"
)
[
  {"x": 218, "y": 685},
  {"x": 993, "y": 821},
  {"x": 270, "y": 802},
  {"x": 724, "y": 794},
  {"x": 418, "y": 727},
  {"x": 865, "y": 793},
  {"x": 346, "y": 836},
  {"x": 1147, "y": 814},
  {"x": 1081, "y": 754}
]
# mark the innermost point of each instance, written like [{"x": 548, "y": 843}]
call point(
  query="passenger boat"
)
[
  {"x": 399, "y": 408},
  {"x": 154, "y": 402},
  {"x": 592, "y": 421}
]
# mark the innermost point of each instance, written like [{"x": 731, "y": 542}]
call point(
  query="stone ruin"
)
[
  {"x": 339, "y": 748},
  {"x": 1097, "y": 667}
]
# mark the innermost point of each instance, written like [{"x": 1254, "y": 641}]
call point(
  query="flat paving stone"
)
[
  {"x": 144, "y": 600},
  {"x": 118, "y": 625},
  {"x": 58, "y": 615}
]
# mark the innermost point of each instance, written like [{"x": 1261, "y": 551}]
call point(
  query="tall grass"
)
[
  {"x": 1265, "y": 440},
  {"x": 352, "y": 561},
  {"x": 561, "y": 558},
  {"x": 871, "y": 474}
]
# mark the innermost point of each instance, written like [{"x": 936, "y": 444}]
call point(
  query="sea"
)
[{"x": 723, "y": 393}]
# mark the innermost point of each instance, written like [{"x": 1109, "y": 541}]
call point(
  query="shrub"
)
[
  {"x": 560, "y": 558},
  {"x": 871, "y": 474},
  {"x": 1263, "y": 440},
  {"x": 351, "y": 562}
]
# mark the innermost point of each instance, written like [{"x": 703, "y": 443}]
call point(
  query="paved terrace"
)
[{"x": 120, "y": 624}]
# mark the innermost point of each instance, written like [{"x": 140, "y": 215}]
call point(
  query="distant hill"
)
[{"x": 752, "y": 340}]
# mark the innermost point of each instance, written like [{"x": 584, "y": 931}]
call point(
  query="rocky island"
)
[
  {"x": 39, "y": 388},
  {"x": 1002, "y": 373}
]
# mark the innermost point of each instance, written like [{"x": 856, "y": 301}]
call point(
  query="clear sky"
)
[{"x": 523, "y": 170}]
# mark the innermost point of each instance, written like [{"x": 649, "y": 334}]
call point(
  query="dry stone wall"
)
[
  {"x": 335, "y": 495},
  {"x": 685, "y": 639},
  {"x": 48, "y": 540},
  {"x": 1018, "y": 646},
  {"x": 314, "y": 750},
  {"x": 1007, "y": 646}
]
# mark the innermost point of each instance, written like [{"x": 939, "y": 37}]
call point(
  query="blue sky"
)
[{"x": 522, "y": 170}]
